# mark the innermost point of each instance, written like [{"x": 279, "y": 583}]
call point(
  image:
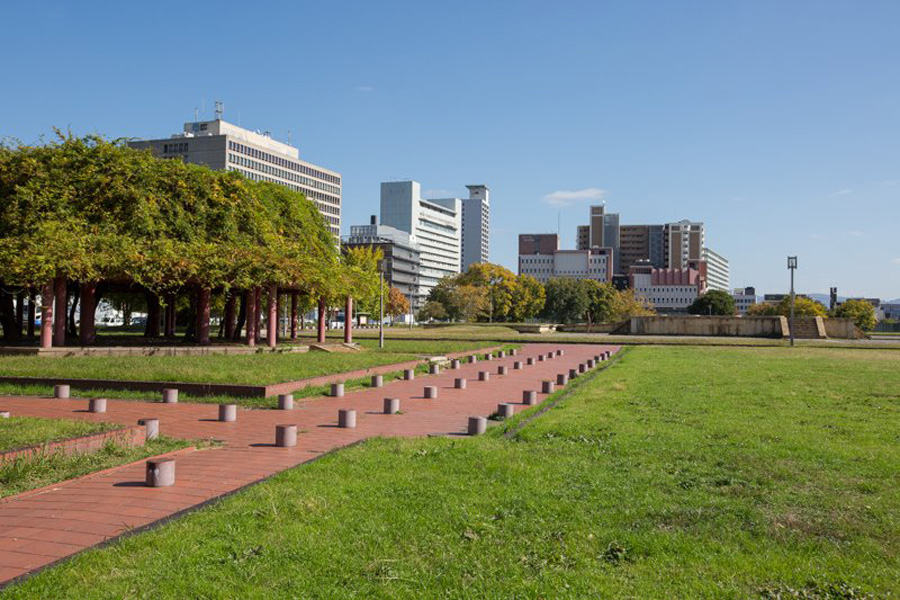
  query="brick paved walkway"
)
[{"x": 43, "y": 526}]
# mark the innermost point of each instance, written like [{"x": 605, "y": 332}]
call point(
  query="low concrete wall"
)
[
  {"x": 844, "y": 329},
  {"x": 771, "y": 327},
  {"x": 583, "y": 328},
  {"x": 129, "y": 436}
]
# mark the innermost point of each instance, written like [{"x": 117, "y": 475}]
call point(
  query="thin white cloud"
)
[
  {"x": 855, "y": 233},
  {"x": 842, "y": 192},
  {"x": 896, "y": 261},
  {"x": 817, "y": 236},
  {"x": 563, "y": 198},
  {"x": 364, "y": 89}
]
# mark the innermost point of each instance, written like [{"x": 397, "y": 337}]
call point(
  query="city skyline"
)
[{"x": 781, "y": 141}]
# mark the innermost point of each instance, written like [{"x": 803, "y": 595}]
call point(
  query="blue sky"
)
[{"x": 776, "y": 123}]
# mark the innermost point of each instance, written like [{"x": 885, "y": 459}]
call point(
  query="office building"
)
[
  {"x": 717, "y": 271},
  {"x": 541, "y": 258},
  {"x": 432, "y": 224},
  {"x": 602, "y": 231},
  {"x": 476, "y": 226},
  {"x": 642, "y": 243},
  {"x": 223, "y": 146},
  {"x": 401, "y": 256},
  {"x": 684, "y": 242},
  {"x": 669, "y": 290},
  {"x": 744, "y": 298}
]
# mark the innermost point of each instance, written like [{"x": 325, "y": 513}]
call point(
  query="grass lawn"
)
[
  {"x": 260, "y": 369},
  {"x": 18, "y": 432},
  {"x": 678, "y": 472},
  {"x": 31, "y": 472}
]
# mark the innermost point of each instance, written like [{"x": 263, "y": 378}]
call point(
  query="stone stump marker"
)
[
  {"x": 582, "y": 368},
  {"x": 377, "y": 381},
  {"x": 473, "y": 359},
  {"x": 347, "y": 418},
  {"x": 484, "y": 375},
  {"x": 501, "y": 370},
  {"x": 514, "y": 352},
  {"x": 529, "y": 361},
  {"x": 590, "y": 363},
  {"x": 151, "y": 428},
  {"x": 505, "y": 410},
  {"x": 285, "y": 402},
  {"x": 542, "y": 357},
  {"x": 61, "y": 391},
  {"x": 434, "y": 369},
  {"x": 160, "y": 472},
  {"x": 228, "y": 413},
  {"x": 573, "y": 373},
  {"x": 97, "y": 405},
  {"x": 391, "y": 406},
  {"x": 286, "y": 436},
  {"x": 488, "y": 356},
  {"x": 546, "y": 387},
  {"x": 454, "y": 364},
  {"x": 550, "y": 355},
  {"x": 562, "y": 379},
  {"x": 517, "y": 365},
  {"x": 337, "y": 390},
  {"x": 560, "y": 352},
  {"x": 170, "y": 396},
  {"x": 501, "y": 354},
  {"x": 459, "y": 383},
  {"x": 409, "y": 374},
  {"x": 431, "y": 392},
  {"x": 529, "y": 397},
  {"x": 477, "y": 425}
]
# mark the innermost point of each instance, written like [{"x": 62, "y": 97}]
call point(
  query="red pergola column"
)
[
  {"x": 47, "y": 315},
  {"x": 203, "y": 295},
  {"x": 272, "y": 320},
  {"x": 348, "y": 320},
  {"x": 293, "y": 315},
  {"x": 59, "y": 313},
  {"x": 320, "y": 333},
  {"x": 86, "y": 330},
  {"x": 229, "y": 316},
  {"x": 251, "y": 317}
]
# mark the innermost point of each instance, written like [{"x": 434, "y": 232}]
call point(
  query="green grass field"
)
[
  {"x": 18, "y": 432},
  {"x": 678, "y": 472}
]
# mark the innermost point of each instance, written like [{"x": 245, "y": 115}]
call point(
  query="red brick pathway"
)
[{"x": 42, "y": 526}]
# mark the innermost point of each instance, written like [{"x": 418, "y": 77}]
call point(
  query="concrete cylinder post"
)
[
  {"x": 560, "y": 352},
  {"x": 409, "y": 374},
  {"x": 160, "y": 472},
  {"x": 542, "y": 357},
  {"x": 590, "y": 363},
  {"x": 501, "y": 354},
  {"x": 346, "y": 418},
  {"x": 272, "y": 319},
  {"x": 488, "y": 356},
  {"x": 459, "y": 383},
  {"x": 484, "y": 375},
  {"x": 61, "y": 299},
  {"x": 434, "y": 369},
  {"x": 477, "y": 425},
  {"x": 517, "y": 365},
  {"x": 337, "y": 390},
  {"x": 170, "y": 396},
  {"x": 348, "y": 320},
  {"x": 501, "y": 370},
  {"x": 431, "y": 392},
  {"x": 320, "y": 323},
  {"x": 391, "y": 406},
  {"x": 562, "y": 379},
  {"x": 473, "y": 359},
  {"x": 250, "y": 318},
  {"x": 86, "y": 329},
  {"x": 61, "y": 391},
  {"x": 454, "y": 364},
  {"x": 285, "y": 402},
  {"x": 529, "y": 397},
  {"x": 203, "y": 302},
  {"x": 547, "y": 387},
  {"x": 505, "y": 410},
  {"x": 582, "y": 368},
  {"x": 514, "y": 352},
  {"x": 97, "y": 405},
  {"x": 228, "y": 413},
  {"x": 151, "y": 428},
  {"x": 573, "y": 373},
  {"x": 377, "y": 381},
  {"x": 285, "y": 436},
  {"x": 550, "y": 355}
]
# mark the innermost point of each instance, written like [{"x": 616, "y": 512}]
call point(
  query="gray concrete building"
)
[
  {"x": 476, "y": 226},
  {"x": 401, "y": 256},
  {"x": 226, "y": 147},
  {"x": 717, "y": 270}
]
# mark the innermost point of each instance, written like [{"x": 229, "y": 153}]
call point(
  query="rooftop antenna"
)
[{"x": 220, "y": 109}]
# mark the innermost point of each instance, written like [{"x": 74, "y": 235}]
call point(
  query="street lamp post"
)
[
  {"x": 381, "y": 304},
  {"x": 792, "y": 266}
]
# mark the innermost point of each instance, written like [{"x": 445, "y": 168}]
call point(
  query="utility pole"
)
[
  {"x": 792, "y": 266},
  {"x": 381, "y": 304}
]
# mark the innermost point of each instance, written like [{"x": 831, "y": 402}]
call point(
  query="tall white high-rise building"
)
[
  {"x": 476, "y": 226},
  {"x": 717, "y": 270},
  {"x": 433, "y": 224},
  {"x": 223, "y": 146}
]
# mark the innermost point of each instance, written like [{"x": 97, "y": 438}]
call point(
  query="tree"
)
[
  {"x": 626, "y": 304},
  {"x": 528, "y": 300},
  {"x": 862, "y": 313},
  {"x": 713, "y": 302},
  {"x": 432, "y": 311},
  {"x": 500, "y": 283},
  {"x": 567, "y": 300},
  {"x": 803, "y": 307},
  {"x": 600, "y": 299},
  {"x": 396, "y": 303},
  {"x": 472, "y": 302}
]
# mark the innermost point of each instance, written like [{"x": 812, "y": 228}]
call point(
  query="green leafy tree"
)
[
  {"x": 528, "y": 301},
  {"x": 432, "y": 311},
  {"x": 803, "y": 307},
  {"x": 600, "y": 299},
  {"x": 567, "y": 300},
  {"x": 862, "y": 313},
  {"x": 713, "y": 302},
  {"x": 625, "y": 304}
]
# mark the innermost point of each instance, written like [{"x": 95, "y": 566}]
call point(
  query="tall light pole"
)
[
  {"x": 792, "y": 266},
  {"x": 381, "y": 304}
]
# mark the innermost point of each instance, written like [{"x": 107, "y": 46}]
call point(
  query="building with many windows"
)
[
  {"x": 432, "y": 224},
  {"x": 223, "y": 146},
  {"x": 541, "y": 258},
  {"x": 684, "y": 242},
  {"x": 401, "y": 256},
  {"x": 669, "y": 290},
  {"x": 717, "y": 270},
  {"x": 602, "y": 231},
  {"x": 642, "y": 243},
  {"x": 476, "y": 226},
  {"x": 744, "y": 298}
]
